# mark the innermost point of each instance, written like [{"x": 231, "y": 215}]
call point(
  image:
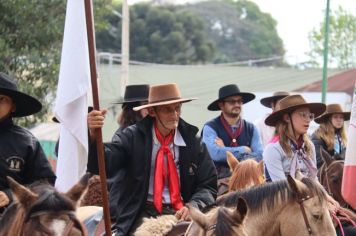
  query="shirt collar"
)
[{"x": 178, "y": 139}]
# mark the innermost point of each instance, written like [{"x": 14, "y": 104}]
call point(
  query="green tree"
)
[
  {"x": 342, "y": 40},
  {"x": 239, "y": 30},
  {"x": 160, "y": 34},
  {"x": 30, "y": 44}
]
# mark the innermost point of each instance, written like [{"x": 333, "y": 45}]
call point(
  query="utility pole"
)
[
  {"x": 125, "y": 46},
  {"x": 326, "y": 47}
]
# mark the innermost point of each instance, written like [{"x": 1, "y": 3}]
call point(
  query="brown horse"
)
[
  {"x": 41, "y": 210},
  {"x": 220, "y": 221},
  {"x": 244, "y": 174},
  {"x": 330, "y": 175},
  {"x": 292, "y": 207}
]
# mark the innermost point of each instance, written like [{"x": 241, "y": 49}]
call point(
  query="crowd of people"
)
[{"x": 157, "y": 163}]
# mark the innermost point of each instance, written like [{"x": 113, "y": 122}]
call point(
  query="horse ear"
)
[
  {"x": 326, "y": 156},
  {"x": 25, "y": 196},
  {"x": 293, "y": 184},
  {"x": 231, "y": 161},
  {"x": 78, "y": 190},
  {"x": 198, "y": 217},
  {"x": 241, "y": 208}
]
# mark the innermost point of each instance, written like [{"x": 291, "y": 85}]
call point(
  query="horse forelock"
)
[
  {"x": 52, "y": 201},
  {"x": 12, "y": 219},
  {"x": 258, "y": 197}
]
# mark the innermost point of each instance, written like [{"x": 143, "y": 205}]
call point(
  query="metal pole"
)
[
  {"x": 98, "y": 133},
  {"x": 125, "y": 46},
  {"x": 326, "y": 47}
]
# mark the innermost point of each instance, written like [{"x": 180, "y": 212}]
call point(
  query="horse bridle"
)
[
  {"x": 325, "y": 175},
  {"x": 300, "y": 201}
]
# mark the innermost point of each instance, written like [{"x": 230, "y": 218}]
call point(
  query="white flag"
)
[{"x": 71, "y": 106}]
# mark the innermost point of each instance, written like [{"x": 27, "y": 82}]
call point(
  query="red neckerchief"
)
[
  {"x": 233, "y": 135},
  {"x": 161, "y": 174}
]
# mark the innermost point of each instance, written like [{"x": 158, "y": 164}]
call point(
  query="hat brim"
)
[
  {"x": 246, "y": 97},
  {"x": 130, "y": 101},
  {"x": 316, "y": 108},
  {"x": 326, "y": 116},
  {"x": 268, "y": 100},
  {"x": 181, "y": 100},
  {"x": 25, "y": 104}
]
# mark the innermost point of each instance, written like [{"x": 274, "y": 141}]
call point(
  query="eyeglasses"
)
[
  {"x": 306, "y": 115},
  {"x": 233, "y": 101},
  {"x": 169, "y": 110}
]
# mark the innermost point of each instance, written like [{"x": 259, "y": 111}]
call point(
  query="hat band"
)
[{"x": 165, "y": 100}]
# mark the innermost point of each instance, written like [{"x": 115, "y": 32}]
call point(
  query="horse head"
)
[
  {"x": 42, "y": 210},
  {"x": 244, "y": 174},
  {"x": 219, "y": 221},
  {"x": 330, "y": 175}
]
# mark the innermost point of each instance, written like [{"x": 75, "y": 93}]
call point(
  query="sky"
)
[{"x": 295, "y": 19}]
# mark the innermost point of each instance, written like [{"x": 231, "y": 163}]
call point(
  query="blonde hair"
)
[
  {"x": 284, "y": 139},
  {"x": 326, "y": 132}
]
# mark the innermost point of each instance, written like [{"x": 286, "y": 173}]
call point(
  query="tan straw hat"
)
[
  {"x": 163, "y": 94},
  {"x": 330, "y": 110},
  {"x": 291, "y": 103}
]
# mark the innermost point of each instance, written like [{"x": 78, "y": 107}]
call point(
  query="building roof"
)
[
  {"x": 340, "y": 82},
  {"x": 203, "y": 82}
]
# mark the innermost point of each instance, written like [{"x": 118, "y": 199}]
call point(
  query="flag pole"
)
[{"x": 98, "y": 133}]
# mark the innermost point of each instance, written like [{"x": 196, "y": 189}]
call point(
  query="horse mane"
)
[
  {"x": 271, "y": 194},
  {"x": 246, "y": 170}
]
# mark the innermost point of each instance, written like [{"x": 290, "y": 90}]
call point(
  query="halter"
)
[
  {"x": 324, "y": 172},
  {"x": 300, "y": 201}
]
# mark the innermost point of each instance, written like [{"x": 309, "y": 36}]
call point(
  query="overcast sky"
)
[{"x": 295, "y": 19}]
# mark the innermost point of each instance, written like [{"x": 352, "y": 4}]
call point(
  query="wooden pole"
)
[{"x": 98, "y": 133}]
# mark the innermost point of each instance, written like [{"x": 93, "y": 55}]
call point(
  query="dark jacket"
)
[
  {"x": 320, "y": 143},
  {"x": 21, "y": 157},
  {"x": 132, "y": 151}
]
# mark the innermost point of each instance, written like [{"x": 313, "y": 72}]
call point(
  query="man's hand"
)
[
  {"x": 248, "y": 149},
  {"x": 95, "y": 120},
  {"x": 4, "y": 199},
  {"x": 219, "y": 142},
  {"x": 183, "y": 214}
]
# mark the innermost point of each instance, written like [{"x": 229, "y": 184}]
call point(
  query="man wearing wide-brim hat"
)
[
  {"x": 166, "y": 164},
  {"x": 21, "y": 155},
  {"x": 229, "y": 132},
  {"x": 267, "y": 132}
]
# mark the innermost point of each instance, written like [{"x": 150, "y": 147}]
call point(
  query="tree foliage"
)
[
  {"x": 30, "y": 44},
  {"x": 160, "y": 34},
  {"x": 239, "y": 30},
  {"x": 342, "y": 40}
]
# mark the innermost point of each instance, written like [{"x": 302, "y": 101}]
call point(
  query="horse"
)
[
  {"x": 244, "y": 174},
  {"x": 220, "y": 221},
  {"x": 289, "y": 207},
  {"x": 330, "y": 175},
  {"x": 42, "y": 210}
]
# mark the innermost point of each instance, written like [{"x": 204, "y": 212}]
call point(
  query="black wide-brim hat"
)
[
  {"x": 25, "y": 104},
  {"x": 228, "y": 91},
  {"x": 135, "y": 93}
]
